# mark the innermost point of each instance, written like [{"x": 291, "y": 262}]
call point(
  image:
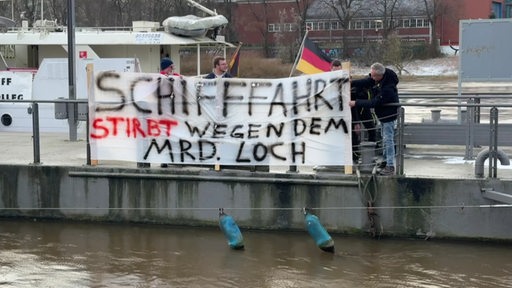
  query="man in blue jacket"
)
[{"x": 383, "y": 82}]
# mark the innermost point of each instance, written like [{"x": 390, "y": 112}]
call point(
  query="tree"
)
[
  {"x": 388, "y": 11},
  {"x": 302, "y": 8},
  {"x": 346, "y": 11},
  {"x": 28, "y": 10},
  {"x": 436, "y": 10},
  {"x": 260, "y": 13},
  {"x": 227, "y": 7},
  {"x": 286, "y": 39},
  {"x": 395, "y": 55}
]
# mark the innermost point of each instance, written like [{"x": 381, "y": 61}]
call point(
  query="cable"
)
[{"x": 461, "y": 206}]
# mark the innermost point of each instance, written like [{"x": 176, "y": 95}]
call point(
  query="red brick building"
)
[
  {"x": 267, "y": 23},
  {"x": 448, "y": 25},
  {"x": 262, "y": 23}
]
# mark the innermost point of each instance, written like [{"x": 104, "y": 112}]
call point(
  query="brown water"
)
[{"x": 58, "y": 254}]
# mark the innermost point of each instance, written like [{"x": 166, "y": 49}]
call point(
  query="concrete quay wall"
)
[{"x": 403, "y": 206}]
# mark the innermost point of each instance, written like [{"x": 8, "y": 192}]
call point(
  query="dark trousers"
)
[{"x": 366, "y": 117}]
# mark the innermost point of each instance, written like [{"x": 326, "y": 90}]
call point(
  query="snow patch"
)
[{"x": 445, "y": 66}]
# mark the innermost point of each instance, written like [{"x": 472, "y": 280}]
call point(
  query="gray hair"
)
[{"x": 378, "y": 68}]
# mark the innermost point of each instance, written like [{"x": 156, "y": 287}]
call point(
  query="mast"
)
[{"x": 201, "y": 7}]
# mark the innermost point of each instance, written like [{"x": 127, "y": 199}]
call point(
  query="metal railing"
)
[
  {"x": 468, "y": 131},
  {"x": 34, "y": 111},
  {"x": 407, "y": 132},
  {"x": 60, "y": 28}
]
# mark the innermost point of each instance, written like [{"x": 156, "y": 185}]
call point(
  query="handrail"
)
[
  {"x": 36, "y": 141},
  {"x": 450, "y": 105},
  {"x": 36, "y": 134},
  {"x": 60, "y": 100},
  {"x": 452, "y": 95},
  {"x": 63, "y": 29},
  {"x": 391, "y": 104}
]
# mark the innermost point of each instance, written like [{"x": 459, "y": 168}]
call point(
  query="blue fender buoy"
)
[
  {"x": 322, "y": 239},
  {"x": 231, "y": 231}
]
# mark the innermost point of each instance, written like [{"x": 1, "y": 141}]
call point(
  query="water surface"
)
[{"x": 70, "y": 254}]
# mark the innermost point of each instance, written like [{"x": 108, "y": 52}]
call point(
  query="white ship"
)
[{"x": 42, "y": 50}]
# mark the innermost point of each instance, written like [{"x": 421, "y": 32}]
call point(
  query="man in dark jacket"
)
[
  {"x": 366, "y": 115},
  {"x": 356, "y": 123},
  {"x": 220, "y": 69},
  {"x": 383, "y": 82}
]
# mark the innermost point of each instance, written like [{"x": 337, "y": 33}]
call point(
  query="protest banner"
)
[{"x": 150, "y": 118}]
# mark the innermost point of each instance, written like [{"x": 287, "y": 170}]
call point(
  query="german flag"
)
[
  {"x": 313, "y": 59},
  {"x": 235, "y": 61}
]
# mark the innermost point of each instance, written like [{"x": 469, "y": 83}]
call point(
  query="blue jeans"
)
[{"x": 388, "y": 142}]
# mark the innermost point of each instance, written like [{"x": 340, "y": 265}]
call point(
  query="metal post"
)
[
  {"x": 470, "y": 117},
  {"x": 493, "y": 143},
  {"x": 198, "y": 60},
  {"x": 35, "y": 133},
  {"x": 88, "y": 147},
  {"x": 299, "y": 54},
  {"x": 476, "y": 100},
  {"x": 400, "y": 142},
  {"x": 72, "y": 107}
]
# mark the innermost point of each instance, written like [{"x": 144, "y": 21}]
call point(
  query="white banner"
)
[
  {"x": 149, "y": 118},
  {"x": 15, "y": 85}
]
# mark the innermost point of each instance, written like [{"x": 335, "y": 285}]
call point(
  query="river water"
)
[{"x": 70, "y": 254}]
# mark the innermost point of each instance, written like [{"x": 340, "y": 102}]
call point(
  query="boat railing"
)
[
  {"x": 82, "y": 29},
  {"x": 477, "y": 127}
]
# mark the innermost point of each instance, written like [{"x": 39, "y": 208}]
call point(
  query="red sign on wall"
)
[{"x": 82, "y": 54}]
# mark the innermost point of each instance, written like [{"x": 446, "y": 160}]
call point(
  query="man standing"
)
[
  {"x": 383, "y": 82},
  {"x": 167, "y": 67},
  {"x": 220, "y": 69}
]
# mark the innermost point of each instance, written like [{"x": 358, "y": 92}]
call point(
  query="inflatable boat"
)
[{"x": 191, "y": 25}]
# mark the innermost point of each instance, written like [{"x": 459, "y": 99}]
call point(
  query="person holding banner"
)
[
  {"x": 383, "y": 82},
  {"x": 220, "y": 69},
  {"x": 167, "y": 67},
  {"x": 356, "y": 125}
]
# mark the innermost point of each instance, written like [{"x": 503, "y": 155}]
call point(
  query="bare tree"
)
[
  {"x": 346, "y": 11},
  {"x": 4, "y": 7},
  {"x": 302, "y": 7},
  {"x": 123, "y": 12},
  {"x": 296, "y": 15},
  {"x": 179, "y": 8},
  {"x": 436, "y": 10},
  {"x": 58, "y": 10},
  {"x": 387, "y": 11},
  {"x": 395, "y": 54},
  {"x": 28, "y": 10},
  {"x": 93, "y": 13},
  {"x": 226, "y": 8},
  {"x": 118, "y": 12},
  {"x": 260, "y": 14},
  {"x": 287, "y": 37}
]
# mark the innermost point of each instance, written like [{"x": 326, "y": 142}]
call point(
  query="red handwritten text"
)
[{"x": 104, "y": 127}]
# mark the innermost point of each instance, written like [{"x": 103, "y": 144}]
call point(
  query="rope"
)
[
  {"x": 364, "y": 189},
  {"x": 460, "y": 206}
]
